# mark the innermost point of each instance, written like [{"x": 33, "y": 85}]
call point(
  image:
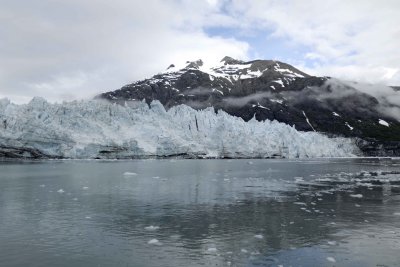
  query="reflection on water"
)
[{"x": 200, "y": 213}]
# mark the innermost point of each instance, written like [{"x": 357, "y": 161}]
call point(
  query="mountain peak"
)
[
  {"x": 171, "y": 66},
  {"x": 229, "y": 61},
  {"x": 194, "y": 64}
]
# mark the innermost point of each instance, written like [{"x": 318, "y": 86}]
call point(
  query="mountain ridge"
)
[{"x": 274, "y": 90}]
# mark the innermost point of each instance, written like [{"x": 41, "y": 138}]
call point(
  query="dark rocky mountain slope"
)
[{"x": 267, "y": 89}]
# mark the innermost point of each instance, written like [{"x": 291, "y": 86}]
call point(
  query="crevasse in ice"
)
[{"x": 98, "y": 129}]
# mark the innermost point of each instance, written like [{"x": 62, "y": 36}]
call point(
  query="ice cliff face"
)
[{"x": 98, "y": 129}]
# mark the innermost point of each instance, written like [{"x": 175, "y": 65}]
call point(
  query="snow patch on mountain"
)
[
  {"x": 99, "y": 129},
  {"x": 231, "y": 69},
  {"x": 384, "y": 123},
  {"x": 287, "y": 72}
]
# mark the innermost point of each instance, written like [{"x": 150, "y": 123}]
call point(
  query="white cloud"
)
[
  {"x": 70, "y": 49},
  {"x": 357, "y": 39}
]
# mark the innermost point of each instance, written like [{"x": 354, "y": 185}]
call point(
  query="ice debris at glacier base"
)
[{"x": 98, "y": 129}]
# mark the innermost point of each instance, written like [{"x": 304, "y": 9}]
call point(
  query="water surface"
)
[{"x": 337, "y": 212}]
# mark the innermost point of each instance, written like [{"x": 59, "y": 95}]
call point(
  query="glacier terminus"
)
[{"x": 98, "y": 129}]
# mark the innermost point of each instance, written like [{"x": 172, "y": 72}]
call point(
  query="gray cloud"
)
[
  {"x": 354, "y": 40},
  {"x": 389, "y": 99},
  {"x": 68, "y": 49},
  {"x": 72, "y": 49},
  {"x": 242, "y": 101},
  {"x": 334, "y": 89}
]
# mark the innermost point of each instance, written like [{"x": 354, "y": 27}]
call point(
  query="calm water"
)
[{"x": 200, "y": 213}]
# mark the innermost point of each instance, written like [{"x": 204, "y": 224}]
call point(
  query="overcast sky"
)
[{"x": 71, "y": 49}]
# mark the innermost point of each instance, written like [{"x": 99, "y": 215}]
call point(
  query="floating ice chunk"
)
[
  {"x": 335, "y": 114},
  {"x": 396, "y": 213},
  {"x": 75, "y": 199},
  {"x": 156, "y": 177},
  {"x": 152, "y": 228},
  {"x": 130, "y": 173},
  {"x": 259, "y": 236},
  {"x": 356, "y": 195},
  {"x": 88, "y": 217},
  {"x": 357, "y": 205},
  {"x": 60, "y": 191},
  {"x": 300, "y": 203},
  {"x": 323, "y": 179},
  {"x": 154, "y": 242},
  {"x": 212, "y": 249},
  {"x": 331, "y": 259},
  {"x": 42, "y": 185},
  {"x": 85, "y": 188},
  {"x": 298, "y": 179},
  {"x": 243, "y": 250},
  {"x": 250, "y": 163},
  {"x": 332, "y": 243}
]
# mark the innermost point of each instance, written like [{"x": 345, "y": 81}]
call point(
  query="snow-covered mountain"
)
[
  {"x": 100, "y": 129},
  {"x": 273, "y": 90}
]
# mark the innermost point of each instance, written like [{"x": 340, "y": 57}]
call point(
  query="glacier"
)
[{"x": 96, "y": 129}]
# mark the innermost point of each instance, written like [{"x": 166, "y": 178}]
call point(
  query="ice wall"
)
[{"x": 98, "y": 129}]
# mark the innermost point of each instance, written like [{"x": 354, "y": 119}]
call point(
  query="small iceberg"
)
[
  {"x": 130, "y": 173},
  {"x": 154, "y": 242},
  {"x": 212, "y": 249},
  {"x": 331, "y": 259},
  {"x": 356, "y": 195},
  {"x": 152, "y": 228}
]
